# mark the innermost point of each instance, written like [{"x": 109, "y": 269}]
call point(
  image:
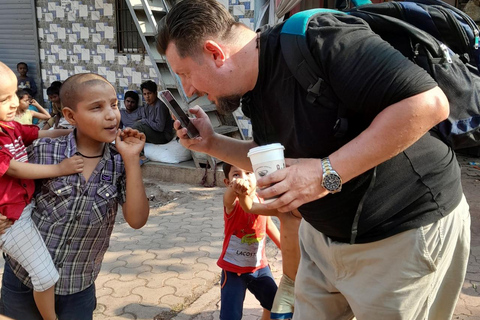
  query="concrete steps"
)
[{"x": 183, "y": 172}]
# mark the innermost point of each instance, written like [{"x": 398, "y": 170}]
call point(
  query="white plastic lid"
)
[{"x": 267, "y": 147}]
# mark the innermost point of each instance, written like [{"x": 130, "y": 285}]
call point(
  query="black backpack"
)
[{"x": 454, "y": 67}]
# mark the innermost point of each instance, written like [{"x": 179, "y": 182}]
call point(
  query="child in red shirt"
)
[
  {"x": 243, "y": 258},
  {"x": 22, "y": 241}
]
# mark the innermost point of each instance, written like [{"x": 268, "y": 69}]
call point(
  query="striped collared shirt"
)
[{"x": 76, "y": 217}]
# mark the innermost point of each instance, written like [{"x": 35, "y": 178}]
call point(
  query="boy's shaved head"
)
[
  {"x": 73, "y": 88},
  {"x": 5, "y": 71}
]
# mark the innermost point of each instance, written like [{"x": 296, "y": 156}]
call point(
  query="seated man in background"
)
[
  {"x": 132, "y": 113},
  {"x": 156, "y": 122}
]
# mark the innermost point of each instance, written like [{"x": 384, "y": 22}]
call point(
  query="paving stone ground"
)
[{"x": 167, "y": 270}]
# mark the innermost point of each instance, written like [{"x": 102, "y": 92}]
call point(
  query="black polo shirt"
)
[{"x": 366, "y": 75}]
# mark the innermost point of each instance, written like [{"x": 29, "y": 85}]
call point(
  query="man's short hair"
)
[
  {"x": 226, "y": 169},
  {"x": 72, "y": 89},
  {"x": 189, "y": 22},
  {"x": 149, "y": 85},
  {"x": 133, "y": 95}
]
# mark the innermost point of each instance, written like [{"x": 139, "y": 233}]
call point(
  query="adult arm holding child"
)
[{"x": 129, "y": 143}]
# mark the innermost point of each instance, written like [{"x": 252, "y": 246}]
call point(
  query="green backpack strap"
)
[
  {"x": 297, "y": 55},
  {"x": 300, "y": 61},
  {"x": 358, "y": 3}
]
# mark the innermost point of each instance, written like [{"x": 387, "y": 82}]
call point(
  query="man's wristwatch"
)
[{"x": 331, "y": 180}]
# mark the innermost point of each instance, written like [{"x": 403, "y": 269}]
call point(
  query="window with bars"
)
[{"x": 128, "y": 38}]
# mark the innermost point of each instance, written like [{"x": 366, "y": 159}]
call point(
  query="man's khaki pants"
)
[{"x": 417, "y": 274}]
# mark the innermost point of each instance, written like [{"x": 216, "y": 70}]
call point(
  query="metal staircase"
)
[{"x": 146, "y": 13}]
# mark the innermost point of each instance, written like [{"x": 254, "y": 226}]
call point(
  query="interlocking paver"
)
[{"x": 130, "y": 274}]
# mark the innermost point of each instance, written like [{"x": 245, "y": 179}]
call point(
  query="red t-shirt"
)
[
  {"x": 244, "y": 243},
  {"x": 16, "y": 193}
]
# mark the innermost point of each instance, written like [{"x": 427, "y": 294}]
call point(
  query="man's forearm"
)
[
  {"x": 392, "y": 131},
  {"x": 232, "y": 151}
]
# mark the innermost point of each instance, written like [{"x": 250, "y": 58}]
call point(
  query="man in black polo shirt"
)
[{"x": 386, "y": 228}]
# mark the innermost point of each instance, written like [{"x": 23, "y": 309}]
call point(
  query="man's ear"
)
[
  {"x": 226, "y": 181},
  {"x": 69, "y": 115},
  {"x": 214, "y": 50}
]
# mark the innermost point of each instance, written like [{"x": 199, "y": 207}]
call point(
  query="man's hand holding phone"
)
[
  {"x": 202, "y": 122},
  {"x": 167, "y": 97}
]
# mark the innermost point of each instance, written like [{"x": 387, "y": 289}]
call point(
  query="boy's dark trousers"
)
[{"x": 18, "y": 302}]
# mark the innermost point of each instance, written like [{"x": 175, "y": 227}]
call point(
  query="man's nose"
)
[{"x": 188, "y": 88}]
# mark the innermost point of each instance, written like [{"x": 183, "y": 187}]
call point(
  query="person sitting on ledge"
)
[
  {"x": 132, "y": 113},
  {"x": 156, "y": 122}
]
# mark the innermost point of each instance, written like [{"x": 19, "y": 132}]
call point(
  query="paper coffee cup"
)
[{"x": 267, "y": 159}]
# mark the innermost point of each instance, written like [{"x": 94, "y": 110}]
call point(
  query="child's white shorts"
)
[{"x": 23, "y": 242}]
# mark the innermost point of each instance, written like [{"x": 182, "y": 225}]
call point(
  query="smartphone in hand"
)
[{"x": 167, "y": 97}]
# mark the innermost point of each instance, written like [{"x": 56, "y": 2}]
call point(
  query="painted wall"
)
[
  {"x": 242, "y": 10},
  {"x": 79, "y": 36}
]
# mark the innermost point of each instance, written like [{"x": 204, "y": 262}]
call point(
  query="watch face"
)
[{"x": 331, "y": 182}]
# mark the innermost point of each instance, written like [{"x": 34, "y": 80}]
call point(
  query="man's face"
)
[
  {"x": 97, "y": 116},
  {"x": 149, "y": 96},
  {"x": 130, "y": 104},
  {"x": 8, "y": 96},
  {"x": 204, "y": 78}
]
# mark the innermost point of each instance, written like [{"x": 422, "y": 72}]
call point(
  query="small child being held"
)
[
  {"x": 22, "y": 241},
  {"x": 243, "y": 258},
  {"x": 24, "y": 115}
]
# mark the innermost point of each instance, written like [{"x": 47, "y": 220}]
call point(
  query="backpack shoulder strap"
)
[
  {"x": 293, "y": 41},
  {"x": 358, "y": 3},
  {"x": 295, "y": 50}
]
